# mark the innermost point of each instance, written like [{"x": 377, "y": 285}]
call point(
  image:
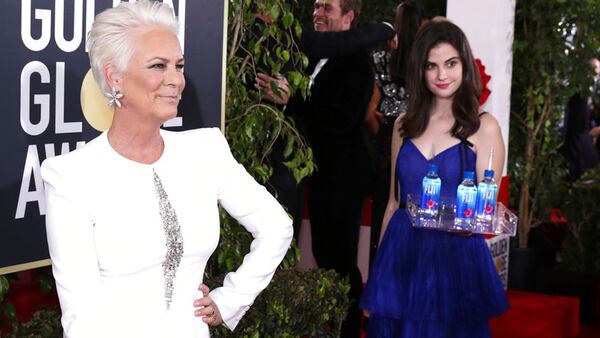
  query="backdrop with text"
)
[{"x": 52, "y": 105}]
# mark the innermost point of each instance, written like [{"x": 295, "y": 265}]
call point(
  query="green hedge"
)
[
  {"x": 296, "y": 304},
  {"x": 44, "y": 323}
]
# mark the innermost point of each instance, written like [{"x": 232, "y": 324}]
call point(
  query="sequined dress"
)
[
  {"x": 393, "y": 96},
  {"x": 129, "y": 242},
  {"x": 425, "y": 283}
]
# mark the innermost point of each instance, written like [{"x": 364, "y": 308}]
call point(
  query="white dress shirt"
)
[
  {"x": 318, "y": 67},
  {"x": 107, "y": 241}
]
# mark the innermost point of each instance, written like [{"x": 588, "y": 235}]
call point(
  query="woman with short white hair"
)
[{"x": 132, "y": 217}]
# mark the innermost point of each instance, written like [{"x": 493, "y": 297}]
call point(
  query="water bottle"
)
[
  {"x": 487, "y": 192},
  {"x": 466, "y": 197},
  {"x": 430, "y": 195}
]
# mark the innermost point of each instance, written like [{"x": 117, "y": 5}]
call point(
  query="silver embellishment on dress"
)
[
  {"x": 174, "y": 241},
  {"x": 394, "y": 97}
]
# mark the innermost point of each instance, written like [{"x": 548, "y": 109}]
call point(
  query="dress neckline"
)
[
  {"x": 124, "y": 159},
  {"x": 438, "y": 154}
]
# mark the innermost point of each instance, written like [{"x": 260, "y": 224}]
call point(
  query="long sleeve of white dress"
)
[
  {"x": 252, "y": 206},
  {"x": 107, "y": 241},
  {"x": 75, "y": 265}
]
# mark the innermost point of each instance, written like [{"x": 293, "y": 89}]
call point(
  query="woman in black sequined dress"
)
[{"x": 387, "y": 102}]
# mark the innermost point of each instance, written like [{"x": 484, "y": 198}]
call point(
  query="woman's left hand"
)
[{"x": 206, "y": 308}]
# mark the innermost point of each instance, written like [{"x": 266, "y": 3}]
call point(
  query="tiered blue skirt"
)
[{"x": 426, "y": 283}]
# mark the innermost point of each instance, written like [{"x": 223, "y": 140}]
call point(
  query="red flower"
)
[{"x": 485, "y": 78}]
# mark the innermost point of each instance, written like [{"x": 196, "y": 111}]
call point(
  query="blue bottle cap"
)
[
  {"x": 469, "y": 175},
  {"x": 489, "y": 173},
  {"x": 432, "y": 167}
]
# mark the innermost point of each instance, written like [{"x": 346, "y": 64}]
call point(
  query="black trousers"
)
[
  {"x": 335, "y": 206},
  {"x": 284, "y": 187},
  {"x": 381, "y": 186},
  {"x": 289, "y": 194}
]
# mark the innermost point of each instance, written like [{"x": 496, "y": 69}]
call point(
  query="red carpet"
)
[
  {"x": 537, "y": 315},
  {"x": 589, "y": 332}
]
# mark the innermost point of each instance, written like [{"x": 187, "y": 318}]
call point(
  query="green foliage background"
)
[
  {"x": 553, "y": 40},
  {"x": 296, "y": 303},
  {"x": 581, "y": 249}
]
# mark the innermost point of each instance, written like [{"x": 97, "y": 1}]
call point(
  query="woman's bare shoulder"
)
[{"x": 488, "y": 125}]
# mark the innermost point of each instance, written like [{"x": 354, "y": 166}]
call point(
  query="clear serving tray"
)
[{"x": 504, "y": 221}]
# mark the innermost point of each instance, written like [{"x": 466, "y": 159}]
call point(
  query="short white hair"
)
[{"x": 111, "y": 38}]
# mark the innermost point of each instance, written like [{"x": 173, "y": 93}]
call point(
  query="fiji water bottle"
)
[
  {"x": 466, "y": 197},
  {"x": 430, "y": 196},
  {"x": 487, "y": 192}
]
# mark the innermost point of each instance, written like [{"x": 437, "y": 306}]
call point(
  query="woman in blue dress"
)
[{"x": 426, "y": 283}]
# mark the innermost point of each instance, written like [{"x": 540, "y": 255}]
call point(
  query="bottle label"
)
[
  {"x": 430, "y": 197},
  {"x": 465, "y": 206},
  {"x": 486, "y": 200}
]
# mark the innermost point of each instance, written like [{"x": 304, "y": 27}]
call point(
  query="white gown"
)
[{"x": 108, "y": 245}]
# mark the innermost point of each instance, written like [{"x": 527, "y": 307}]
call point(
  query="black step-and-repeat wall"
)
[{"x": 50, "y": 104}]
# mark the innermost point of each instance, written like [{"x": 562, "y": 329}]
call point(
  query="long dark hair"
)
[
  {"x": 406, "y": 23},
  {"x": 465, "y": 105}
]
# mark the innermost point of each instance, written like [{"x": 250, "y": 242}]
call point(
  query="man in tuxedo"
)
[
  {"x": 332, "y": 120},
  {"x": 315, "y": 45}
]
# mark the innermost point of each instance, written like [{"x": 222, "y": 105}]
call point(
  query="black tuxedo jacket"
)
[
  {"x": 332, "y": 118},
  {"x": 318, "y": 45}
]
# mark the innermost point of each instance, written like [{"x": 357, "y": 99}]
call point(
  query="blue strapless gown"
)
[{"x": 427, "y": 283}]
